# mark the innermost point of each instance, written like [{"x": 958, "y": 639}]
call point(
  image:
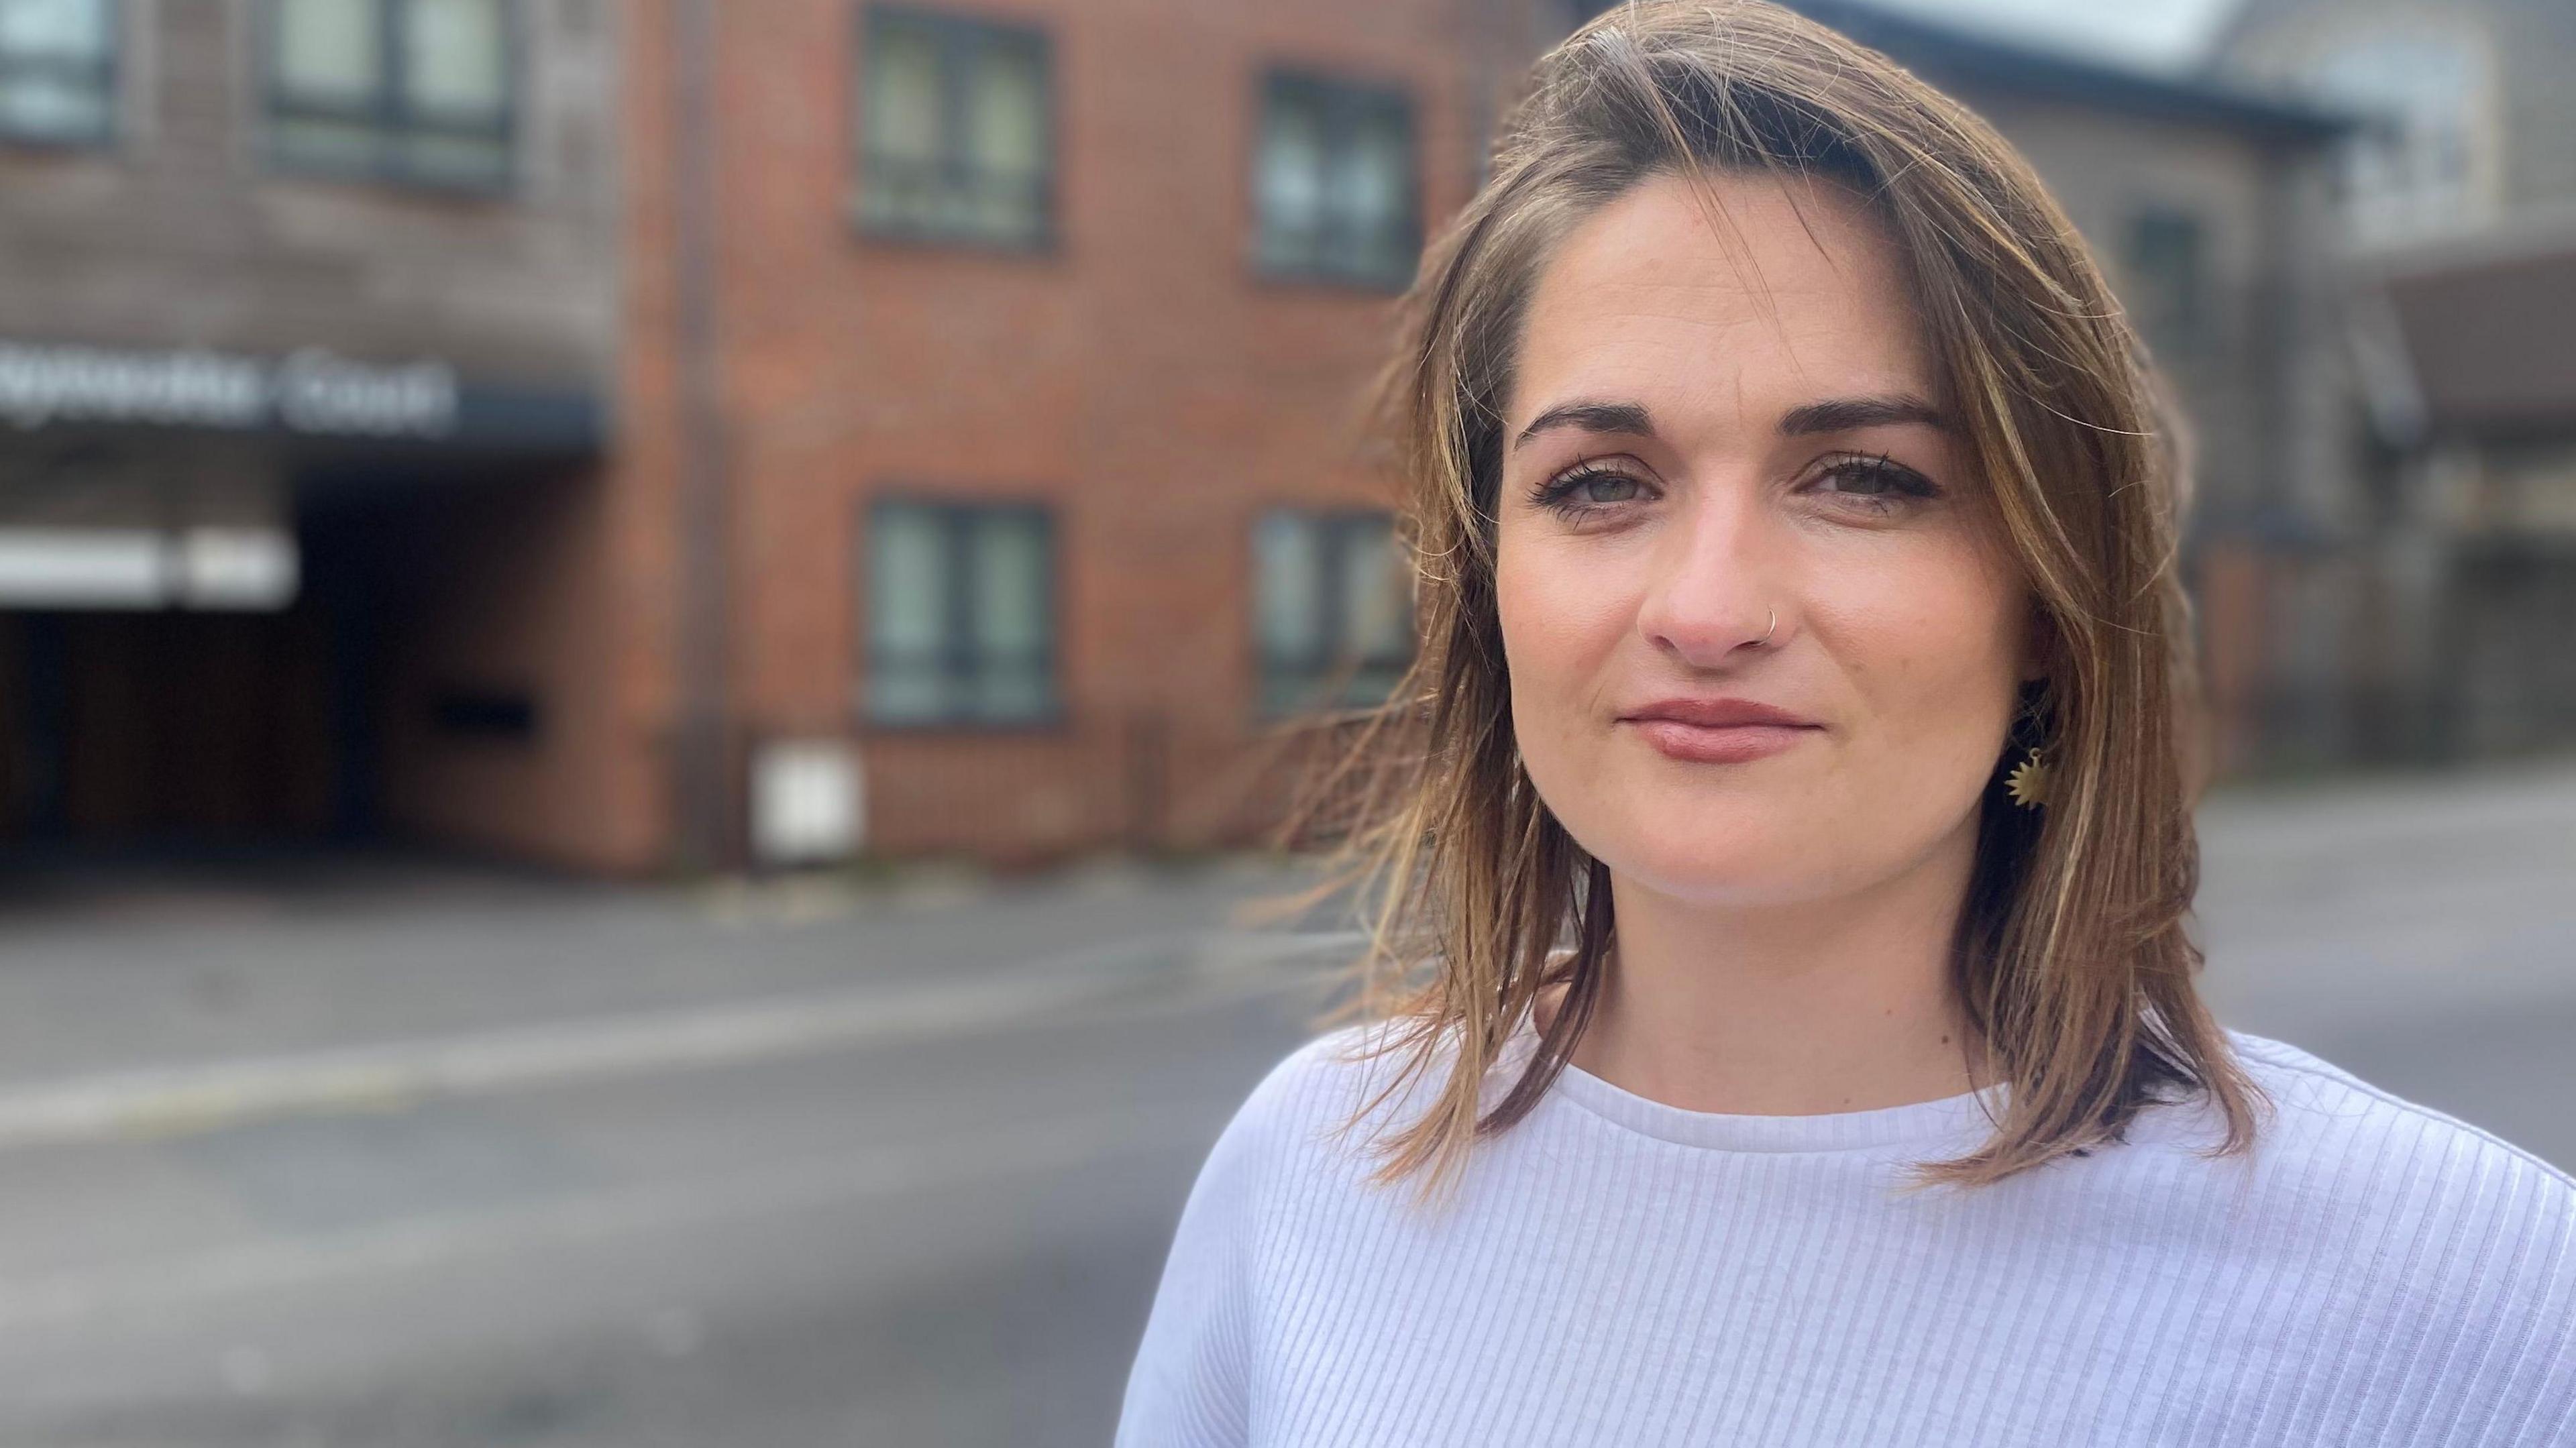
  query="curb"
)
[{"x": 175, "y": 1101}]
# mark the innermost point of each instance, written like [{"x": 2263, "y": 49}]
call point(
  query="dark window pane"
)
[
  {"x": 1335, "y": 182},
  {"x": 908, "y": 604},
  {"x": 1008, "y": 566},
  {"x": 1332, "y": 611},
  {"x": 955, "y": 139},
  {"x": 961, "y": 614},
  {"x": 2165, "y": 275},
  {"x": 457, "y": 160},
  {"x": 1293, "y": 161}
]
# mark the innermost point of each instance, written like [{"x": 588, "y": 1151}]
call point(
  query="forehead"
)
[{"x": 1791, "y": 294}]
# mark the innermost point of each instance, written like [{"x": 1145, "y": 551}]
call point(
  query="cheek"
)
[
  {"x": 1932, "y": 641},
  {"x": 1560, "y": 627}
]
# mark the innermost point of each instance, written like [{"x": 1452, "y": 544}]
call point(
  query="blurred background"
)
[{"x": 648, "y": 647}]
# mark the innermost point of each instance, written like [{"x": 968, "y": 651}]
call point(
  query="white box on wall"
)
[{"x": 805, "y": 802}]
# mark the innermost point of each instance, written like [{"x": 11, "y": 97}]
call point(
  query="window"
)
[
  {"x": 961, "y": 614},
  {"x": 2166, "y": 281},
  {"x": 954, "y": 140},
  {"x": 508, "y": 715},
  {"x": 2426, "y": 164},
  {"x": 1332, "y": 619},
  {"x": 57, "y": 70},
  {"x": 1335, "y": 183},
  {"x": 416, "y": 91},
  {"x": 1578, "y": 13}
]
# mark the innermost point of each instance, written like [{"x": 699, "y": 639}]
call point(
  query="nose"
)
[{"x": 1708, "y": 596}]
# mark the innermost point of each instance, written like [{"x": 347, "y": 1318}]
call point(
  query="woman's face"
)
[{"x": 1704, "y": 430}]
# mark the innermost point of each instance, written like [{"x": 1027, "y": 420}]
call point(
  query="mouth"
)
[{"x": 1720, "y": 731}]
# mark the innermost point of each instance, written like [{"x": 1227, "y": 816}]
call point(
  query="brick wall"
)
[{"x": 1137, "y": 376}]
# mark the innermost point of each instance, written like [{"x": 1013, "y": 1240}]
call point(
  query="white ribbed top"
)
[{"x": 1616, "y": 1271}]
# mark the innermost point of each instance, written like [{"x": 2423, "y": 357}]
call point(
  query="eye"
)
[
  {"x": 1604, "y": 487},
  {"x": 1877, "y": 482},
  {"x": 1587, "y": 487}
]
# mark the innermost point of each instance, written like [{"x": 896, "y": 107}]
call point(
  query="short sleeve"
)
[{"x": 1191, "y": 1383}]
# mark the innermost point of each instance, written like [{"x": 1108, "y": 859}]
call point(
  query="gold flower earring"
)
[{"x": 2028, "y": 783}]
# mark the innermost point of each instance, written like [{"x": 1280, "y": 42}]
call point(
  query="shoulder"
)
[
  {"x": 1195, "y": 1368},
  {"x": 1301, "y": 1153},
  {"x": 1355, "y": 1077},
  {"x": 2357, "y": 1133},
  {"x": 2445, "y": 1222}
]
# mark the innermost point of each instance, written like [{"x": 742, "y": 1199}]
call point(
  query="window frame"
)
[
  {"x": 107, "y": 74},
  {"x": 957, "y": 658},
  {"x": 1346, "y": 98},
  {"x": 959, "y": 37},
  {"x": 2348, "y": 74},
  {"x": 2184, "y": 333},
  {"x": 388, "y": 114},
  {"x": 1322, "y": 684}
]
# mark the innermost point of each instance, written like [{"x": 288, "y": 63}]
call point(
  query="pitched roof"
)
[
  {"x": 2488, "y": 332},
  {"x": 2033, "y": 71}
]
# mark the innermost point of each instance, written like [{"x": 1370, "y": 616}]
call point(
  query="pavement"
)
[
  {"x": 2417, "y": 931},
  {"x": 395, "y": 1152},
  {"x": 172, "y": 998},
  {"x": 322, "y": 1152}
]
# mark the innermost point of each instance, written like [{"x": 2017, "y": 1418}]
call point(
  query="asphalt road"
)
[
  {"x": 936, "y": 1224},
  {"x": 944, "y": 1240}
]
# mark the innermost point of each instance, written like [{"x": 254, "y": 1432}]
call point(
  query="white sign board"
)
[
  {"x": 805, "y": 803},
  {"x": 142, "y": 568}
]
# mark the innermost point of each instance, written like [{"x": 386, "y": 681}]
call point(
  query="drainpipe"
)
[{"x": 703, "y": 773}]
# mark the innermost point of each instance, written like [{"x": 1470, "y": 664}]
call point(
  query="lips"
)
[{"x": 1718, "y": 731}]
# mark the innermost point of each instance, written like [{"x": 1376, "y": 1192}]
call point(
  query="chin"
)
[
  {"x": 1703, "y": 880},
  {"x": 1750, "y": 860}
]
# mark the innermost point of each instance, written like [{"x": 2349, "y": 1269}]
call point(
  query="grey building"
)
[
  {"x": 2457, "y": 250},
  {"x": 306, "y": 313},
  {"x": 2211, "y": 204}
]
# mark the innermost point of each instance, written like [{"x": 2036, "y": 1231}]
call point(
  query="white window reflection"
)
[
  {"x": 955, "y": 138},
  {"x": 2426, "y": 165},
  {"x": 403, "y": 90},
  {"x": 1335, "y": 189},
  {"x": 57, "y": 69}
]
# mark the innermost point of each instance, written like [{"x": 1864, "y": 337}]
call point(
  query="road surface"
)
[{"x": 624, "y": 1170}]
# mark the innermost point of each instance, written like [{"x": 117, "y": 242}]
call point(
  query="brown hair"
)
[{"x": 2071, "y": 956}]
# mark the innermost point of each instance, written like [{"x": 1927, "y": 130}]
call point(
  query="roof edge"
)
[{"x": 2058, "y": 73}]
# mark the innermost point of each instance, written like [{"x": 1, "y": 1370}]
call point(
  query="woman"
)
[{"x": 1784, "y": 1013}]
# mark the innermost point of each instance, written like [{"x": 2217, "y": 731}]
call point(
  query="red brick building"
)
[
  {"x": 905, "y": 381},
  {"x": 778, "y": 428},
  {"x": 1017, "y": 354}
]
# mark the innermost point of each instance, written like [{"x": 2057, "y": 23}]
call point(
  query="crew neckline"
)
[{"x": 1942, "y": 1120}]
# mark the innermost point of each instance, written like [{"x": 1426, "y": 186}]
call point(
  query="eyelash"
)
[{"x": 1905, "y": 484}]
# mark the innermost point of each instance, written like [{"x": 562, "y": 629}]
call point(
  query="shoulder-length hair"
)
[{"x": 2071, "y": 955}]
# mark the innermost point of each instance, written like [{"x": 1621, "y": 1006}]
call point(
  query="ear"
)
[{"x": 2039, "y": 645}]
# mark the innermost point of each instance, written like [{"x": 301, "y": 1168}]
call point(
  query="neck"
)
[{"x": 1839, "y": 1004}]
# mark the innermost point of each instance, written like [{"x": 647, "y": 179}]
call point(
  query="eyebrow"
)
[{"x": 1839, "y": 414}]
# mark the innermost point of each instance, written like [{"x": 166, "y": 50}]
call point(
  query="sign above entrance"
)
[{"x": 310, "y": 392}]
